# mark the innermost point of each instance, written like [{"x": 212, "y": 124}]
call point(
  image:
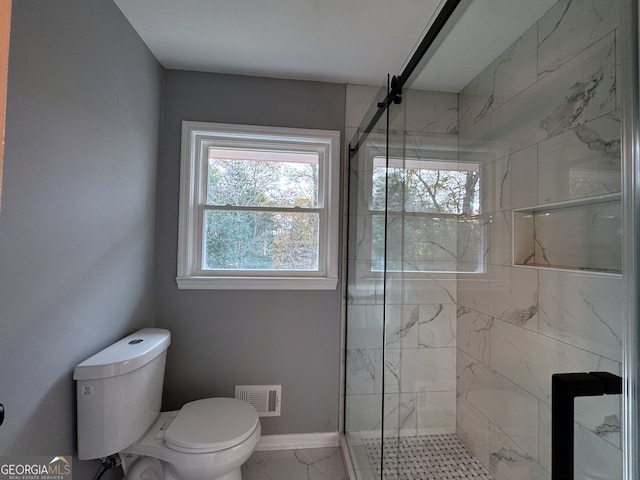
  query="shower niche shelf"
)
[{"x": 577, "y": 235}]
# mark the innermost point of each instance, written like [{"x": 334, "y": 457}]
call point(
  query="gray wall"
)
[
  {"x": 78, "y": 209},
  {"x": 222, "y": 338}
]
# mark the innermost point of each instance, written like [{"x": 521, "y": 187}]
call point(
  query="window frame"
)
[{"x": 197, "y": 137}]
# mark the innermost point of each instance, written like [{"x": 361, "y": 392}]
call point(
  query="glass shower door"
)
[
  {"x": 527, "y": 272},
  {"x": 364, "y": 403}
]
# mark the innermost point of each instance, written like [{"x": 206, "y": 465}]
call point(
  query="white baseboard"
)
[{"x": 296, "y": 441}]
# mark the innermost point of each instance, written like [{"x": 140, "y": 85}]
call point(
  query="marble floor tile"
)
[{"x": 304, "y": 464}]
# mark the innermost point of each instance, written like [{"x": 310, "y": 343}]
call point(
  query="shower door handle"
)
[{"x": 565, "y": 387}]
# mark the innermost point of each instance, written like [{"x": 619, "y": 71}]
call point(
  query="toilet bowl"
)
[
  {"x": 206, "y": 439},
  {"x": 119, "y": 393}
]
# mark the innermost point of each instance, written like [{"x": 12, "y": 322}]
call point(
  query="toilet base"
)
[
  {"x": 147, "y": 468},
  {"x": 232, "y": 475}
]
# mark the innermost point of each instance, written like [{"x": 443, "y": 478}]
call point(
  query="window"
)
[
  {"x": 258, "y": 207},
  {"x": 432, "y": 214}
]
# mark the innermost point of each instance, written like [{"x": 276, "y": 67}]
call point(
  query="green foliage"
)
[
  {"x": 261, "y": 240},
  {"x": 425, "y": 190}
]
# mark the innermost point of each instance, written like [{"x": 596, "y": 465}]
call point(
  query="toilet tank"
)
[{"x": 119, "y": 392}]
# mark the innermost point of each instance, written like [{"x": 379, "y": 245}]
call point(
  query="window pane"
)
[
  {"x": 241, "y": 240},
  {"x": 427, "y": 186},
  {"x": 262, "y": 178}
]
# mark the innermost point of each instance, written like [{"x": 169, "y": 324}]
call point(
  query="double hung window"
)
[{"x": 258, "y": 207}]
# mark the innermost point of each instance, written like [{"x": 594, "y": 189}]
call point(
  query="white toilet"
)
[{"x": 119, "y": 394}]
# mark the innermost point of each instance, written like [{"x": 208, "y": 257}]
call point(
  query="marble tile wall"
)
[
  {"x": 543, "y": 120},
  {"x": 417, "y": 369}
]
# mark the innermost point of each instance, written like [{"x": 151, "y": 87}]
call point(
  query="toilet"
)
[{"x": 119, "y": 393}]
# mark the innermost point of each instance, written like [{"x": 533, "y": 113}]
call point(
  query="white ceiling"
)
[{"x": 342, "y": 41}]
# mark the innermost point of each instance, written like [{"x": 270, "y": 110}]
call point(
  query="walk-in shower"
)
[{"x": 492, "y": 244}]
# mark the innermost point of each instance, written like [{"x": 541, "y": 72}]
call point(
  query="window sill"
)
[{"x": 256, "y": 283}]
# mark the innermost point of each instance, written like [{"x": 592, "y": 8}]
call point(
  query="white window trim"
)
[{"x": 189, "y": 274}]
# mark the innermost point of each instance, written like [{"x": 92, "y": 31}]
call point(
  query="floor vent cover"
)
[{"x": 264, "y": 398}]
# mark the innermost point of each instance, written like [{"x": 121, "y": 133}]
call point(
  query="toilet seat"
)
[{"x": 211, "y": 425}]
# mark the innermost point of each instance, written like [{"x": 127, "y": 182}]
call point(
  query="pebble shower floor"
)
[{"x": 433, "y": 457}]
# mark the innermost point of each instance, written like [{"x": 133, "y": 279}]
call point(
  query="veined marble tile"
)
[
  {"x": 430, "y": 266},
  {"x": 581, "y": 162},
  {"x": 524, "y": 238},
  {"x": 428, "y": 112},
  {"x": 508, "y": 182},
  {"x": 503, "y": 402},
  {"x": 481, "y": 150},
  {"x": 529, "y": 359},
  {"x": 311, "y": 464},
  {"x": 498, "y": 243},
  {"x": 389, "y": 370},
  {"x": 437, "y": 325},
  {"x": 436, "y": 412},
  {"x": 508, "y": 75},
  {"x": 474, "y": 333},
  {"x": 364, "y": 324},
  {"x": 401, "y": 325},
  {"x": 544, "y": 435},
  {"x": 582, "y": 237},
  {"x": 582, "y": 90},
  {"x": 507, "y": 293},
  {"x": 594, "y": 457},
  {"x": 400, "y": 417},
  {"x": 473, "y": 429},
  {"x": 431, "y": 370},
  {"x": 417, "y": 369},
  {"x": 603, "y": 461},
  {"x": 360, "y": 371},
  {"x": 362, "y": 413},
  {"x": 509, "y": 462},
  {"x": 421, "y": 288},
  {"x": 593, "y": 95},
  {"x": 428, "y": 146},
  {"x": 582, "y": 310},
  {"x": 364, "y": 287},
  {"x": 570, "y": 26},
  {"x": 601, "y": 416}
]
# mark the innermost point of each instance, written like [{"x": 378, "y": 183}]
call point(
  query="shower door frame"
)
[{"x": 630, "y": 152}]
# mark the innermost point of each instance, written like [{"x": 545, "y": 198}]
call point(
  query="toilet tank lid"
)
[{"x": 126, "y": 355}]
